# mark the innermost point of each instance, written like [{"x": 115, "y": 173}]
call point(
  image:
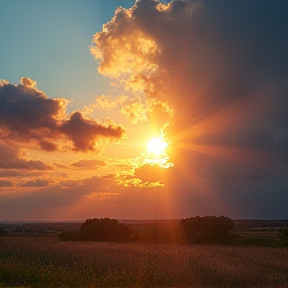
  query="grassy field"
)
[{"x": 47, "y": 262}]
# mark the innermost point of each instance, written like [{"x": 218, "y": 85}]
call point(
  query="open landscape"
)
[
  {"x": 35, "y": 257},
  {"x": 123, "y": 123}
]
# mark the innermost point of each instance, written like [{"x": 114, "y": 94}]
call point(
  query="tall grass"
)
[{"x": 48, "y": 262}]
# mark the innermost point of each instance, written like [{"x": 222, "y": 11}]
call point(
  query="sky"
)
[{"x": 145, "y": 110}]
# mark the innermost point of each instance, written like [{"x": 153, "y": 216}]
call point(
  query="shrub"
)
[
  {"x": 103, "y": 229},
  {"x": 2, "y": 231},
  {"x": 284, "y": 235},
  {"x": 207, "y": 229}
]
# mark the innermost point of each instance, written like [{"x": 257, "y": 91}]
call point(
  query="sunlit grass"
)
[{"x": 48, "y": 262}]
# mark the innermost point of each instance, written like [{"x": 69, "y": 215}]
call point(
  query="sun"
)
[{"x": 156, "y": 146}]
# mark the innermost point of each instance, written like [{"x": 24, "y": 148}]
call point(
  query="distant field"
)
[
  {"x": 246, "y": 224},
  {"x": 45, "y": 261},
  {"x": 250, "y": 232}
]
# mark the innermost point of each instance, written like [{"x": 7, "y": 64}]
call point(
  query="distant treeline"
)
[
  {"x": 244, "y": 224},
  {"x": 194, "y": 230}
]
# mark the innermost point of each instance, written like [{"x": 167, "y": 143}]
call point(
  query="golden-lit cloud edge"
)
[{"x": 28, "y": 116}]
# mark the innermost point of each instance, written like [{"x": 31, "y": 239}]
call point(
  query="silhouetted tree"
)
[
  {"x": 103, "y": 229},
  {"x": 207, "y": 229}
]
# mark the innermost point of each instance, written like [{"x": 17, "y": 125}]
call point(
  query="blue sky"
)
[{"x": 49, "y": 41}]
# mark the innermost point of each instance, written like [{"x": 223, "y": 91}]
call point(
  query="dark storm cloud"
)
[
  {"x": 203, "y": 56},
  {"x": 222, "y": 68},
  {"x": 28, "y": 115}
]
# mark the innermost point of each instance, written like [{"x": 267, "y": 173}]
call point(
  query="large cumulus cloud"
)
[
  {"x": 202, "y": 57},
  {"x": 28, "y": 115}
]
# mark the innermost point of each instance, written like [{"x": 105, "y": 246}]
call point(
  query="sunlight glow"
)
[
  {"x": 156, "y": 146},
  {"x": 157, "y": 154}
]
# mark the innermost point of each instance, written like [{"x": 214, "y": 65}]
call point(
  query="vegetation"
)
[
  {"x": 284, "y": 235},
  {"x": 2, "y": 231},
  {"x": 45, "y": 261},
  {"x": 103, "y": 229},
  {"x": 142, "y": 254},
  {"x": 265, "y": 233},
  {"x": 208, "y": 229},
  {"x": 194, "y": 230}
]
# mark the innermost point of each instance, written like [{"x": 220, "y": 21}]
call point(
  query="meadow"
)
[{"x": 45, "y": 261}]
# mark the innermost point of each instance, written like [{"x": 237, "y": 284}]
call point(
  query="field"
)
[{"x": 45, "y": 261}]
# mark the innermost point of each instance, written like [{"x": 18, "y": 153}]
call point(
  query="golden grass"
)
[{"x": 48, "y": 262}]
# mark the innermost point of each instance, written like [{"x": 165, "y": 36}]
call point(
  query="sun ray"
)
[
  {"x": 249, "y": 109},
  {"x": 261, "y": 159},
  {"x": 199, "y": 187}
]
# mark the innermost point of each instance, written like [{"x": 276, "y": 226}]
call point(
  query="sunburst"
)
[{"x": 156, "y": 146}]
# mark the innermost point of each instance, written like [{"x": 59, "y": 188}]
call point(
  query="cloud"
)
[
  {"x": 106, "y": 102},
  {"x": 159, "y": 115},
  {"x": 18, "y": 173},
  {"x": 28, "y": 115},
  {"x": 150, "y": 173},
  {"x": 9, "y": 173},
  {"x": 88, "y": 163},
  {"x": 135, "y": 111},
  {"x": 36, "y": 183},
  {"x": 41, "y": 197},
  {"x": 217, "y": 73},
  {"x": 101, "y": 196},
  {"x": 85, "y": 132},
  {"x": 27, "y": 82},
  {"x": 200, "y": 58},
  {"x": 6, "y": 183},
  {"x": 25, "y": 164},
  {"x": 11, "y": 158}
]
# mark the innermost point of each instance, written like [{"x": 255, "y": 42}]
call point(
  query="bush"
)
[
  {"x": 103, "y": 229},
  {"x": 284, "y": 235},
  {"x": 2, "y": 232},
  {"x": 207, "y": 229}
]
